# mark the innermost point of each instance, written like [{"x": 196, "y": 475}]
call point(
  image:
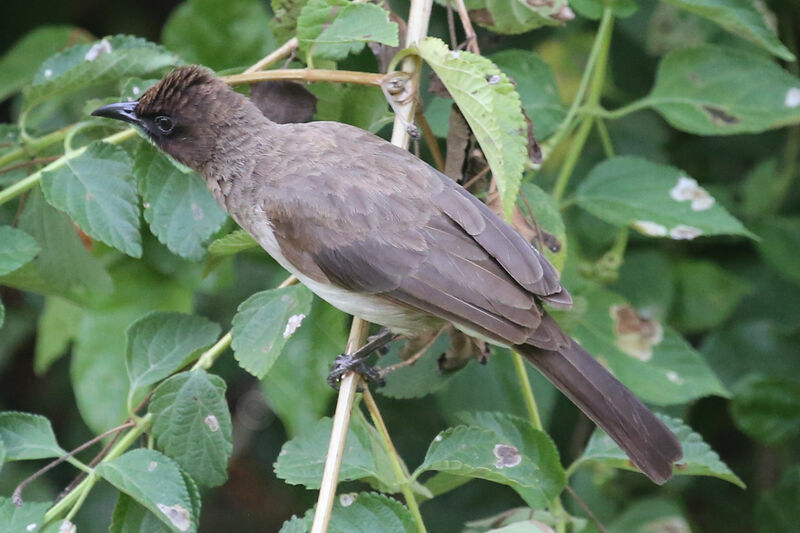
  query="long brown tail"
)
[{"x": 648, "y": 442}]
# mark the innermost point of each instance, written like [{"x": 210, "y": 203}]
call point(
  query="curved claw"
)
[{"x": 345, "y": 363}]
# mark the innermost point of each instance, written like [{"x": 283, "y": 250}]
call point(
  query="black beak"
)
[{"x": 125, "y": 111}]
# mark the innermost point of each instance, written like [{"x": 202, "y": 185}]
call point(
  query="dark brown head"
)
[{"x": 184, "y": 114}]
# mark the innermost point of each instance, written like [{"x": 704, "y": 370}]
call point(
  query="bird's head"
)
[{"x": 184, "y": 114}]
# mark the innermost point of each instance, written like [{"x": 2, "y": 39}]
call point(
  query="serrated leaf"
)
[
  {"x": 369, "y": 512},
  {"x": 553, "y": 238},
  {"x": 777, "y": 509},
  {"x": 160, "y": 343},
  {"x": 707, "y": 295},
  {"x": 156, "y": 482},
  {"x": 131, "y": 517},
  {"x": 220, "y": 35},
  {"x": 192, "y": 424},
  {"x": 296, "y": 524},
  {"x": 654, "y": 361},
  {"x": 302, "y": 459},
  {"x": 657, "y": 200},
  {"x": 305, "y": 364},
  {"x": 536, "y": 86},
  {"x": 27, "y": 436},
  {"x": 698, "y": 457},
  {"x": 107, "y": 60},
  {"x": 23, "y": 519},
  {"x": 232, "y": 243},
  {"x": 284, "y": 19},
  {"x": 740, "y": 17},
  {"x": 501, "y": 448},
  {"x": 492, "y": 108},
  {"x": 16, "y": 249},
  {"x": 57, "y": 326},
  {"x": 518, "y": 16},
  {"x": 264, "y": 322},
  {"x": 767, "y": 408},
  {"x": 97, "y": 190},
  {"x": 181, "y": 211},
  {"x": 700, "y": 90}
]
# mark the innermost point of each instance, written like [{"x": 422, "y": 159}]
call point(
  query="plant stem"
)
[
  {"x": 527, "y": 391},
  {"x": 400, "y": 472},
  {"x": 572, "y": 158},
  {"x": 33, "y": 146},
  {"x": 285, "y": 50},
  {"x": 209, "y": 356},
  {"x": 605, "y": 138},
  {"x": 601, "y": 112},
  {"x": 307, "y": 74}
]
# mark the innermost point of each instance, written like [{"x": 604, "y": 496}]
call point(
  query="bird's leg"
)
[
  {"x": 419, "y": 352},
  {"x": 355, "y": 361}
]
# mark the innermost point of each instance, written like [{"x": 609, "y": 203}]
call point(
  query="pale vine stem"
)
[{"x": 418, "y": 17}]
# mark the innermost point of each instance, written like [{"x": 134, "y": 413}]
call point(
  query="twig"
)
[
  {"x": 94, "y": 462},
  {"x": 469, "y": 31},
  {"x": 32, "y": 162},
  {"x": 586, "y": 509},
  {"x": 341, "y": 422},
  {"x": 451, "y": 26},
  {"x": 430, "y": 139},
  {"x": 285, "y": 50},
  {"x": 307, "y": 74}
]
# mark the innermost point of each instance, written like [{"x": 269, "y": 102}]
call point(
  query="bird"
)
[{"x": 381, "y": 235}]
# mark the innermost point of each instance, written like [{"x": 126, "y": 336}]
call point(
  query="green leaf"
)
[
  {"x": 358, "y": 105},
  {"x": 302, "y": 459},
  {"x": 158, "y": 344},
  {"x": 131, "y": 517},
  {"x": 192, "y": 424},
  {"x": 501, "y": 448},
  {"x": 57, "y": 326},
  {"x": 421, "y": 378},
  {"x": 492, "y": 108},
  {"x": 518, "y": 16},
  {"x": 107, "y": 60},
  {"x": 658, "y": 200},
  {"x": 304, "y": 366},
  {"x": 698, "y": 457},
  {"x": 656, "y": 363},
  {"x": 296, "y": 524},
  {"x": 593, "y": 9},
  {"x": 650, "y": 516},
  {"x": 23, "y": 519},
  {"x": 740, "y": 17},
  {"x": 777, "y": 509},
  {"x": 647, "y": 280},
  {"x": 181, "y": 211},
  {"x": 16, "y": 249},
  {"x": 369, "y": 512},
  {"x": 219, "y": 35},
  {"x": 284, "y": 19},
  {"x": 153, "y": 480},
  {"x": 27, "y": 436},
  {"x": 707, "y": 295},
  {"x": 97, "y": 190},
  {"x": 553, "y": 241},
  {"x": 536, "y": 86},
  {"x": 701, "y": 90},
  {"x": 264, "y": 322},
  {"x": 232, "y": 243},
  {"x": 767, "y": 408},
  {"x": 19, "y": 64},
  {"x": 63, "y": 266},
  {"x": 780, "y": 245}
]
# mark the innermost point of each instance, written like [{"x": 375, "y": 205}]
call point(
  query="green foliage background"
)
[{"x": 117, "y": 270}]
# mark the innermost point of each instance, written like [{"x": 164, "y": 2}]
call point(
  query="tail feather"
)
[{"x": 651, "y": 446}]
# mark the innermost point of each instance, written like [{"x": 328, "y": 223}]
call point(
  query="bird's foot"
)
[{"x": 345, "y": 363}]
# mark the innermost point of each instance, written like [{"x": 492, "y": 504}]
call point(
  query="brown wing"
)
[{"x": 384, "y": 222}]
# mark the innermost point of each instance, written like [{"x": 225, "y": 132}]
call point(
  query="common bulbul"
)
[{"x": 382, "y": 235}]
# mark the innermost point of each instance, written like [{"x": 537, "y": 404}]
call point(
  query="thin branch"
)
[
  {"x": 307, "y": 74},
  {"x": 586, "y": 509},
  {"x": 94, "y": 462},
  {"x": 32, "y": 162},
  {"x": 285, "y": 50},
  {"x": 430, "y": 139},
  {"x": 469, "y": 31},
  {"x": 451, "y": 25}
]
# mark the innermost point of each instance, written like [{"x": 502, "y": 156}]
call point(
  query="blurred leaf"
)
[
  {"x": 553, "y": 241},
  {"x": 19, "y": 63},
  {"x": 529, "y": 526},
  {"x": 57, "y": 326},
  {"x": 131, "y": 517},
  {"x": 500, "y": 448},
  {"x": 421, "y": 378},
  {"x": 777, "y": 509},
  {"x": 181, "y": 211},
  {"x": 536, "y": 86},
  {"x": 761, "y": 189},
  {"x": 192, "y": 424},
  {"x": 711, "y": 90},
  {"x": 97, "y": 190},
  {"x": 304, "y": 365},
  {"x": 593, "y": 9},
  {"x": 85, "y": 65},
  {"x": 296, "y": 524},
  {"x": 219, "y": 35},
  {"x": 658, "y": 200},
  {"x": 284, "y": 19},
  {"x": 27, "y": 436},
  {"x": 16, "y": 249},
  {"x": 358, "y": 105},
  {"x": 492, "y": 108},
  {"x": 160, "y": 343},
  {"x": 767, "y": 408},
  {"x": 698, "y": 457},
  {"x": 232, "y": 243},
  {"x": 707, "y": 295},
  {"x": 302, "y": 459},
  {"x": 647, "y": 281},
  {"x": 333, "y": 29},
  {"x": 20, "y": 519},
  {"x": 656, "y": 363},
  {"x": 369, "y": 512},
  {"x": 740, "y": 17},
  {"x": 153, "y": 480},
  {"x": 651, "y": 515},
  {"x": 264, "y": 322},
  {"x": 780, "y": 245},
  {"x": 517, "y": 16}
]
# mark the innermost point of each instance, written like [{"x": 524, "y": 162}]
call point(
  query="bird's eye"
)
[{"x": 164, "y": 124}]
